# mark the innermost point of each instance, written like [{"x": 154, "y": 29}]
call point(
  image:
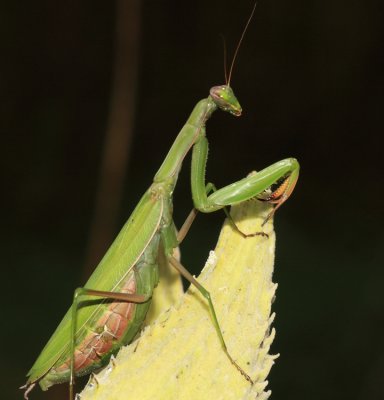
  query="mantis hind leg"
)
[
  {"x": 128, "y": 297},
  {"x": 183, "y": 271}
]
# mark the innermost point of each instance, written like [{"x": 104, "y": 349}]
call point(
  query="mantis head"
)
[
  {"x": 225, "y": 99},
  {"x": 223, "y": 95}
]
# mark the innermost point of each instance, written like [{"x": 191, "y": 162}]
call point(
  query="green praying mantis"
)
[{"x": 109, "y": 310}]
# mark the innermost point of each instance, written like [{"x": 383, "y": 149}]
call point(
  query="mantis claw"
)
[
  {"x": 28, "y": 389},
  {"x": 237, "y": 366},
  {"x": 248, "y": 235}
]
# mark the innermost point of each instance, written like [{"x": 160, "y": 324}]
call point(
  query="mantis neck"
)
[{"x": 191, "y": 132}]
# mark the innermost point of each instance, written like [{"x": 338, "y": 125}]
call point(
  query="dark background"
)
[{"x": 310, "y": 79}]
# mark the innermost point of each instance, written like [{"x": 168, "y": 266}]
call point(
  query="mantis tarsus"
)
[{"x": 109, "y": 310}]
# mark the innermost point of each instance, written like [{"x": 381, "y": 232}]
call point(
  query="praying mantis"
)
[{"x": 109, "y": 310}]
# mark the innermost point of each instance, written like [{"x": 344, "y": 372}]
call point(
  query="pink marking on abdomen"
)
[{"x": 108, "y": 329}]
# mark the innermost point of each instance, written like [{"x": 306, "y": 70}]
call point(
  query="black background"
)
[{"x": 310, "y": 79}]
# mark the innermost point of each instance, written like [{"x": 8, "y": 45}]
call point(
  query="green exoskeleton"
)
[{"x": 110, "y": 309}]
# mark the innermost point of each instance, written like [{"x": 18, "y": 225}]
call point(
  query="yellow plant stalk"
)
[{"x": 179, "y": 356}]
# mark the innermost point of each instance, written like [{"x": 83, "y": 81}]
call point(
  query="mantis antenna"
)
[
  {"x": 225, "y": 59},
  {"x": 228, "y": 82}
]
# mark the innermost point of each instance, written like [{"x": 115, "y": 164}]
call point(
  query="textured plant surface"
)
[{"x": 179, "y": 356}]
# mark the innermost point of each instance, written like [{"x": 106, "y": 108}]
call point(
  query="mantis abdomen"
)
[{"x": 115, "y": 323}]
